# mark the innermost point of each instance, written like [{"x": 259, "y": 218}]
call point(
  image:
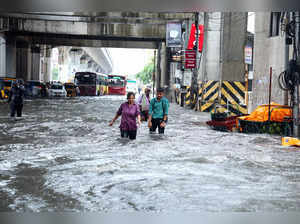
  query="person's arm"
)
[
  {"x": 9, "y": 96},
  {"x": 166, "y": 111},
  {"x": 139, "y": 119},
  {"x": 118, "y": 114},
  {"x": 139, "y": 101},
  {"x": 114, "y": 119},
  {"x": 150, "y": 115}
]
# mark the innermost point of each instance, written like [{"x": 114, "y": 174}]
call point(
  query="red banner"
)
[{"x": 192, "y": 39}]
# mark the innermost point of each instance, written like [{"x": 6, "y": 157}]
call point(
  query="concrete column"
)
[
  {"x": 158, "y": 70},
  {"x": 35, "y": 63},
  {"x": 22, "y": 55},
  {"x": 10, "y": 55},
  {"x": 163, "y": 64},
  {"x": 234, "y": 38},
  {"x": 47, "y": 63},
  {"x": 2, "y": 57}
]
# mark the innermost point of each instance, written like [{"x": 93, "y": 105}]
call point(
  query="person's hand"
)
[
  {"x": 163, "y": 124},
  {"x": 111, "y": 123},
  {"x": 149, "y": 124}
]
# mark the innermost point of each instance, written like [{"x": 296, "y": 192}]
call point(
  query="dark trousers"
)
[
  {"x": 156, "y": 124},
  {"x": 144, "y": 115},
  {"x": 129, "y": 134},
  {"x": 16, "y": 108}
]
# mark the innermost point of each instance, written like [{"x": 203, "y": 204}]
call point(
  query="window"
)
[{"x": 275, "y": 24}]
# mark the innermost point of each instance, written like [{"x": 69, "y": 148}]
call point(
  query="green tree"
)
[
  {"x": 55, "y": 74},
  {"x": 146, "y": 75}
]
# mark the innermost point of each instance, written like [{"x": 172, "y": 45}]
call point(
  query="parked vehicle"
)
[
  {"x": 71, "y": 89},
  {"x": 5, "y": 87},
  {"x": 116, "y": 85},
  {"x": 103, "y": 81},
  {"x": 57, "y": 89},
  {"x": 88, "y": 83},
  {"x": 132, "y": 86},
  {"x": 33, "y": 88}
]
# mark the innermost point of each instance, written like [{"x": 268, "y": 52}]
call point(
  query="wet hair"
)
[
  {"x": 160, "y": 90},
  {"x": 129, "y": 94}
]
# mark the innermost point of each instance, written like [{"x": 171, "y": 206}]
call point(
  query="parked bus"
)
[
  {"x": 88, "y": 83},
  {"x": 117, "y": 85},
  {"x": 103, "y": 84}
]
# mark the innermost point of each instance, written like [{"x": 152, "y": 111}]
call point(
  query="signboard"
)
[
  {"x": 187, "y": 78},
  {"x": 192, "y": 39},
  {"x": 190, "y": 59},
  {"x": 173, "y": 35},
  {"x": 248, "y": 55},
  {"x": 178, "y": 73}
]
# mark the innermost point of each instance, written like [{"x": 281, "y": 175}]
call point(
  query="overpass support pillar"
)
[
  {"x": 9, "y": 56},
  {"x": 46, "y": 64},
  {"x": 2, "y": 57},
  {"x": 35, "y": 63},
  {"x": 22, "y": 60},
  {"x": 164, "y": 70}
]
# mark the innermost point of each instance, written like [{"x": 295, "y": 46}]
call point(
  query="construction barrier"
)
[
  {"x": 233, "y": 97},
  {"x": 227, "y": 96}
]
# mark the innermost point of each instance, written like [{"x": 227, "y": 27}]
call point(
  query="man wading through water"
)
[
  {"x": 158, "y": 112},
  {"x": 143, "y": 102},
  {"x": 15, "y": 98}
]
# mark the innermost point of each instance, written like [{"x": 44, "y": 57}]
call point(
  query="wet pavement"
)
[{"x": 62, "y": 156}]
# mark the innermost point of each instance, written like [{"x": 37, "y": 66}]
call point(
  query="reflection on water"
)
[{"x": 62, "y": 156}]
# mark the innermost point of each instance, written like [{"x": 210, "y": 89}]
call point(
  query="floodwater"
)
[{"x": 62, "y": 156}]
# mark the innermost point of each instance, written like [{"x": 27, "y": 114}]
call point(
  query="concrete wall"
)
[
  {"x": 233, "y": 45},
  {"x": 268, "y": 52},
  {"x": 2, "y": 57},
  {"x": 223, "y": 51},
  {"x": 10, "y": 54}
]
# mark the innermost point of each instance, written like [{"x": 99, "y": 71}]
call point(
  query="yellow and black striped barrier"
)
[
  {"x": 228, "y": 95},
  {"x": 188, "y": 96},
  {"x": 208, "y": 95},
  {"x": 233, "y": 97}
]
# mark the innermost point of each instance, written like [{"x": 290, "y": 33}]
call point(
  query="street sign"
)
[
  {"x": 190, "y": 59},
  {"x": 192, "y": 39},
  {"x": 173, "y": 35},
  {"x": 248, "y": 55},
  {"x": 187, "y": 77}
]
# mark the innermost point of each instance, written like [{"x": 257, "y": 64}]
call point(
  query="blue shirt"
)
[{"x": 159, "y": 108}]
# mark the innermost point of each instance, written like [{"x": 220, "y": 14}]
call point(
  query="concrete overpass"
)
[
  {"x": 104, "y": 29},
  {"x": 223, "y": 48},
  {"x": 27, "y": 34}
]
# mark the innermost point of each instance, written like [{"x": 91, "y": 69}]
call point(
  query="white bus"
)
[{"x": 131, "y": 86}]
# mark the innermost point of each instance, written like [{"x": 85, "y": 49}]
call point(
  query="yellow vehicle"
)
[
  {"x": 103, "y": 84},
  {"x": 5, "y": 86},
  {"x": 71, "y": 89}
]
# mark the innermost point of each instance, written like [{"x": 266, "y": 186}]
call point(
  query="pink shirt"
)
[{"x": 129, "y": 114}]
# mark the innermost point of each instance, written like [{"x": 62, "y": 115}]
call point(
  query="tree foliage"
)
[{"x": 146, "y": 74}]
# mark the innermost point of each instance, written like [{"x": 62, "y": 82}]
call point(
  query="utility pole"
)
[
  {"x": 296, "y": 90},
  {"x": 287, "y": 58},
  {"x": 154, "y": 75},
  {"x": 194, "y": 81}
]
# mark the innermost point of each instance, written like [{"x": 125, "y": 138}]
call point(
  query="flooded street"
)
[{"x": 63, "y": 156}]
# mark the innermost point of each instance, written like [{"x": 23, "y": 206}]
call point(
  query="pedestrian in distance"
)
[
  {"x": 130, "y": 115},
  {"x": 143, "y": 102},
  {"x": 15, "y": 99},
  {"x": 158, "y": 112}
]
